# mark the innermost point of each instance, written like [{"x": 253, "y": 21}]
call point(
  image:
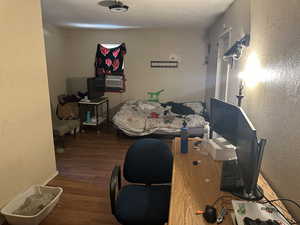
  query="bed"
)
[{"x": 141, "y": 118}]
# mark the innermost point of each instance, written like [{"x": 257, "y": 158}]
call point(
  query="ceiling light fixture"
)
[
  {"x": 118, "y": 7},
  {"x": 114, "y": 5}
]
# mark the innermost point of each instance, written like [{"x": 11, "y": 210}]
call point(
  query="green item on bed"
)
[{"x": 154, "y": 96}]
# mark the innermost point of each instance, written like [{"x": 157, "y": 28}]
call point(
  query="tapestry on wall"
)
[{"x": 109, "y": 64}]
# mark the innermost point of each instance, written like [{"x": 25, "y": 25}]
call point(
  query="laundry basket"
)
[{"x": 11, "y": 207}]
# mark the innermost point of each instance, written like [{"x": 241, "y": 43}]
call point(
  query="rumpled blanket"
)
[{"x": 134, "y": 118}]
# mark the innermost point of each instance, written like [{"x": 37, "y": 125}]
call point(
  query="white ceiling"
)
[{"x": 141, "y": 14}]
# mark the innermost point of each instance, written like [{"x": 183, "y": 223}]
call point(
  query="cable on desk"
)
[
  {"x": 278, "y": 206},
  {"x": 284, "y": 199},
  {"x": 221, "y": 197},
  {"x": 271, "y": 203}
]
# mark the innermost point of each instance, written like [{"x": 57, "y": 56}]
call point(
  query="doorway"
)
[{"x": 222, "y": 66}]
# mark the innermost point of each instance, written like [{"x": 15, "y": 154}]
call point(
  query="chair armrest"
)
[{"x": 114, "y": 187}]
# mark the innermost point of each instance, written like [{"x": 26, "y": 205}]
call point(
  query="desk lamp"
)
[
  {"x": 251, "y": 76},
  {"x": 240, "y": 95}
]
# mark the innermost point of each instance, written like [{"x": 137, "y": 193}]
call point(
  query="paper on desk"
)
[{"x": 254, "y": 211}]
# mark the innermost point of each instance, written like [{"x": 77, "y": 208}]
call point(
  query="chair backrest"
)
[{"x": 148, "y": 161}]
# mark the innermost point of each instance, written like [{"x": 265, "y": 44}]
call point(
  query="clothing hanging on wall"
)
[
  {"x": 110, "y": 60},
  {"x": 109, "y": 64}
]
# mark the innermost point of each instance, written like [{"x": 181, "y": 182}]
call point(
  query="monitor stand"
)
[
  {"x": 242, "y": 194},
  {"x": 231, "y": 182}
]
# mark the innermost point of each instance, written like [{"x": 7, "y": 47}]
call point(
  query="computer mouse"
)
[{"x": 210, "y": 214}]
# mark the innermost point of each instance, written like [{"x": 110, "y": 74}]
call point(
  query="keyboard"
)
[{"x": 230, "y": 180}]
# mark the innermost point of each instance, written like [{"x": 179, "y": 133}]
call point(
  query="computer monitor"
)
[
  {"x": 232, "y": 123},
  {"x": 249, "y": 156},
  {"x": 223, "y": 119},
  {"x": 96, "y": 87}
]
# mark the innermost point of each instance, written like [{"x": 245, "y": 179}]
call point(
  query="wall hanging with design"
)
[{"x": 109, "y": 64}]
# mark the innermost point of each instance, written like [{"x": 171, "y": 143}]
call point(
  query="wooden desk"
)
[{"x": 194, "y": 187}]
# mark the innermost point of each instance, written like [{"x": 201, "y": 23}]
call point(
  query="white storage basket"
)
[{"x": 12, "y": 206}]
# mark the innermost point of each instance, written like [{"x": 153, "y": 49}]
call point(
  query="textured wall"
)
[
  {"x": 55, "y": 55},
  {"x": 184, "y": 83},
  {"x": 26, "y": 144},
  {"x": 236, "y": 17},
  {"x": 273, "y": 105}
]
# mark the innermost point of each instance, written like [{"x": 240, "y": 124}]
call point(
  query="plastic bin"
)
[{"x": 13, "y": 205}]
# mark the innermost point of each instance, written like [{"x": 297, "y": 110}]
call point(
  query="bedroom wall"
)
[
  {"x": 55, "y": 56},
  {"x": 274, "y": 103},
  {"x": 236, "y": 17},
  {"x": 185, "y": 83},
  {"x": 26, "y": 144}
]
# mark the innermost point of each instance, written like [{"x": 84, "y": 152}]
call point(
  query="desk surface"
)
[{"x": 194, "y": 187}]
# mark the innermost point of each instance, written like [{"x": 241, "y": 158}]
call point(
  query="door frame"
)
[{"x": 220, "y": 63}]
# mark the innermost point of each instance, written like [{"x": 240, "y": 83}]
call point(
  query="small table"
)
[{"x": 95, "y": 107}]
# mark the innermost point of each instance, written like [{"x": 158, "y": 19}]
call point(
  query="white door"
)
[{"x": 222, "y": 68}]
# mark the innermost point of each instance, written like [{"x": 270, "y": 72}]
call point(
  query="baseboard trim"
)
[{"x": 49, "y": 179}]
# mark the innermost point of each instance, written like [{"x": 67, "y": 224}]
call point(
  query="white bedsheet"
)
[{"x": 134, "y": 118}]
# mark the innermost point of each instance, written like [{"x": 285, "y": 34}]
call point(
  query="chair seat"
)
[{"x": 138, "y": 204}]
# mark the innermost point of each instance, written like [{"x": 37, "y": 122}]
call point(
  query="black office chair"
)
[{"x": 148, "y": 163}]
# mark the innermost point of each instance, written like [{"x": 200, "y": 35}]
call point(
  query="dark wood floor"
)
[{"x": 84, "y": 171}]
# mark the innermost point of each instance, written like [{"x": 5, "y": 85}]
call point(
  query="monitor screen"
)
[
  {"x": 223, "y": 119},
  {"x": 247, "y": 150},
  {"x": 232, "y": 123},
  {"x": 95, "y": 87}
]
